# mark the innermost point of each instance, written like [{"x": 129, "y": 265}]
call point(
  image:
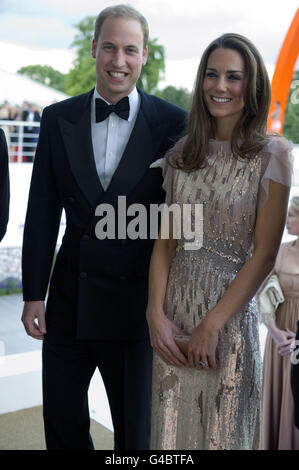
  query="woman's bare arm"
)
[
  {"x": 267, "y": 237},
  {"x": 161, "y": 329}
]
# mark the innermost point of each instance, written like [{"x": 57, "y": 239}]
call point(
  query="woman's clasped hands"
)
[{"x": 201, "y": 348}]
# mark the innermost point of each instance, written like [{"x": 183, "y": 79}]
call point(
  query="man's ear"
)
[
  {"x": 93, "y": 48},
  {"x": 144, "y": 57}
]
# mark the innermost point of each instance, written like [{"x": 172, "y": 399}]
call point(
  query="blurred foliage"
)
[
  {"x": 82, "y": 77},
  {"x": 10, "y": 286},
  {"x": 291, "y": 120},
  {"x": 178, "y": 96},
  {"x": 152, "y": 72},
  {"x": 46, "y": 75}
]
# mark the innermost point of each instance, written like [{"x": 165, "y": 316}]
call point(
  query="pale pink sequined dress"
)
[{"x": 211, "y": 409}]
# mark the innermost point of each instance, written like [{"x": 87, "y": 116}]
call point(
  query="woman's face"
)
[
  {"x": 224, "y": 85},
  {"x": 293, "y": 221}
]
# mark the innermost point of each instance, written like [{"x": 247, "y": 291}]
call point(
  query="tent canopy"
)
[{"x": 16, "y": 88}]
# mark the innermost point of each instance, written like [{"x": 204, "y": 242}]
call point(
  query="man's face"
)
[{"x": 119, "y": 57}]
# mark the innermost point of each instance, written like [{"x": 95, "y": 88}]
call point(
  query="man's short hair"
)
[{"x": 121, "y": 11}]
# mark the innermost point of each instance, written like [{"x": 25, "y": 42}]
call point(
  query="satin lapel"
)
[
  {"x": 139, "y": 152},
  {"x": 78, "y": 143}
]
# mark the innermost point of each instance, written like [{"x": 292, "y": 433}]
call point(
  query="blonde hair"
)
[{"x": 295, "y": 203}]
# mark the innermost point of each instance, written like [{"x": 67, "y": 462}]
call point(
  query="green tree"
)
[
  {"x": 178, "y": 96},
  {"x": 153, "y": 70},
  {"x": 291, "y": 120},
  {"x": 46, "y": 75},
  {"x": 82, "y": 76}
]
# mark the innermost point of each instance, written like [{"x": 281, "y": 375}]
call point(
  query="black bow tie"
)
[{"x": 122, "y": 109}]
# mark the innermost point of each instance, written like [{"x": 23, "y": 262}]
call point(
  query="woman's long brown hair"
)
[{"x": 249, "y": 135}]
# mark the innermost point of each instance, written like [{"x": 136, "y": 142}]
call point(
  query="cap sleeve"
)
[{"x": 279, "y": 166}]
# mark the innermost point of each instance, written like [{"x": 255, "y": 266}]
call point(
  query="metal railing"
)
[{"x": 21, "y": 137}]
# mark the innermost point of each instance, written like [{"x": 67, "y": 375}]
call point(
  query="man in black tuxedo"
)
[
  {"x": 30, "y": 114},
  {"x": 90, "y": 154},
  {"x": 4, "y": 185}
]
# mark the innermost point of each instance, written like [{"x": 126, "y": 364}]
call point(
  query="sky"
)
[{"x": 42, "y": 31}]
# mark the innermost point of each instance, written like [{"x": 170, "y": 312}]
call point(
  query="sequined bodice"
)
[{"x": 227, "y": 188}]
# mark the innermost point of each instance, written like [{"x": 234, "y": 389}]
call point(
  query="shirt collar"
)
[{"x": 134, "y": 100}]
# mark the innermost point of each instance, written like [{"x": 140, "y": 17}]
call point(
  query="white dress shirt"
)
[{"x": 110, "y": 137}]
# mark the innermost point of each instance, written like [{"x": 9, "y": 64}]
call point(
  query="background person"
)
[
  {"x": 278, "y": 430},
  {"x": 31, "y": 114},
  {"x": 241, "y": 176},
  {"x": 95, "y": 317},
  {"x": 275, "y": 116}
]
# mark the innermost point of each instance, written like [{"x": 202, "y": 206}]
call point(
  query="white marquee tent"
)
[{"x": 16, "y": 88}]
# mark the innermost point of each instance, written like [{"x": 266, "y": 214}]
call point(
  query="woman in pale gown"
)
[
  {"x": 241, "y": 177},
  {"x": 278, "y": 431}
]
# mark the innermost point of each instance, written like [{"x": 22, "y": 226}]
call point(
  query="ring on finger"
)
[{"x": 203, "y": 363}]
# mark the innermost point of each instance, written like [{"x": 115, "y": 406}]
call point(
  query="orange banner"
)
[{"x": 282, "y": 77}]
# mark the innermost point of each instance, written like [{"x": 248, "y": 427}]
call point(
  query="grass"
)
[{"x": 10, "y": 286}]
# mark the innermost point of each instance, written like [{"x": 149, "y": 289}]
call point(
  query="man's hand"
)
[{"x": 33, "y": 319}]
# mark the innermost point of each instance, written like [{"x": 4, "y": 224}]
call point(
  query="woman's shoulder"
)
[
  {"x": 277, "y": 145},
  {"x": 277, "y": 165},
  {"x": 278, "y": 158},
  {"x": 174, "y": 154},
  {"x": 178, "y": 146},
  {"x": 283, "y": 252}
]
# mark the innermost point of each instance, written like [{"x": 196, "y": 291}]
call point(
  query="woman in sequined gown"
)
[
  {"x": 278, "y": 431},
  {"x": 241, "y": 176}
]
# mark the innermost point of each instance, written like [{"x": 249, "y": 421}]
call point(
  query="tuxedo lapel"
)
[
  {"x": 78, "y": 143},
  {"x": 138, "y": 154}
]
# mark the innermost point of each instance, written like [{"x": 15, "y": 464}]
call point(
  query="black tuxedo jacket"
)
[
  {"x": 4, "y": 185},
  {"x": 98, "y": 288}
]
